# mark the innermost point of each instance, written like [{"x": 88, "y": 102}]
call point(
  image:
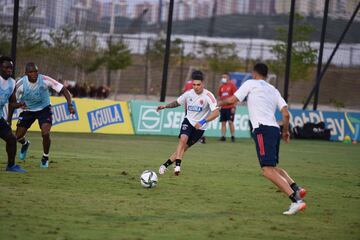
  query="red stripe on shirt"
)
[
  {"x": 260, "y": 140},
  {"x": 211, "y": 97}
]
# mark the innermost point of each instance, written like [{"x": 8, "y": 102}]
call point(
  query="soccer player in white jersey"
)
[
  {"x": 7, "y": 95},
  {"x": 262, "y": 101},
  {"x": 33, "y": 91},
  {"x": 200, "y": 105}
]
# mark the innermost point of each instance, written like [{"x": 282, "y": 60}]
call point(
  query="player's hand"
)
[
  {"x": 21, "y": 105},
  {"x": 159, "y": 108},
  {"x": 71, "y": 109},
  {"x": 286, "y": 136},
  {"x": 200, "y": 123}
]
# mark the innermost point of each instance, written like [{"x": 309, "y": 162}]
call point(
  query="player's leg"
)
[
  {"x": 183, "y": 138},
  {"x": 193, "y": 137},
  {"x": 10, "y": 139},
  {"x": 231, "y": 124},
  {"x": 184, "y": 134},
  {"x": 232, "y": 130},
  {"x": 300, "y": 191},
  {"x": 26, "y": 119},
  {"x": 273, "y": 175},
  {"x": 266, "y": 141},
  {"x": 223, "y": 120},
  {"x": 45, "y": 123},
  {"x": 45, "y": 133}
]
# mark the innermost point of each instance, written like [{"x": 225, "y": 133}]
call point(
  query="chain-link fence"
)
[{"x": 120, "y": 43}]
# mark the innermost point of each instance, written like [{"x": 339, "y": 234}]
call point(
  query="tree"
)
[
  {"x": 220, "y": 57},
  {"x": 62, "y": 49},
  {"x": 155, "y": 56},
  {"x": 115, "y": 58},
  {"x": 303, "y": 56}
]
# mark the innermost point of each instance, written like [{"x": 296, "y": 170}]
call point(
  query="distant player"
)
[
  {"x": 187, "y": 86},
  {"x": 227, "y": 112},
  {"x": 7, "y": 95},
  {"x": 33, "y": 90},
  {"x": 200, "y": 109},
  {"x": 262, "y": 101}
]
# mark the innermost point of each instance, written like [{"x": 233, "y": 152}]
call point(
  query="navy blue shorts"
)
[
  {"x": 5, "y": 129},
  {"x": 190, "y": 131},
  {"x": 267, "y": 141},
  {"x": 227, "y": 114},
  {"x": 27, "y": 118}
]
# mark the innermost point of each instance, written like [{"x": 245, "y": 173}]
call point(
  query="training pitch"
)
[{"x": 92, "y": 191}]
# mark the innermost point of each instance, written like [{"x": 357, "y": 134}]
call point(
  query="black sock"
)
[
  {"x": 45, "y": 159},
  {"x": 168, "y": 163},
  {"x": 294, "y": 187},
  {"x": 22, "y": 141},
  {"x": 178, "y": 162},
  {"x": 293, "y": 197}
]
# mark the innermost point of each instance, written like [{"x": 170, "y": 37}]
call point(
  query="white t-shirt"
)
[
  {"x": 49, "y": 82},
  {"x": 198, "y": 106},
  {"x": 262, "y": 101}
]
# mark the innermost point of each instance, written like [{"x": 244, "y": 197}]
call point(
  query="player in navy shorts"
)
[
  {"x": 190, "y": 131},
  {"x": 200, "y": 108},
  {"x": 267, "y": 141},
  {"x": 263, "y": 100}
]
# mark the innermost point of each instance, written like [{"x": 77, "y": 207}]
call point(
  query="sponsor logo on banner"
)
[
  {"x": 339, "y": 123},
  {"x": 61, "y": 113},
  {"x": 353, "y": 123},
  {"x": 150, "y": 120},
  {"x": 105, "y": 116}
]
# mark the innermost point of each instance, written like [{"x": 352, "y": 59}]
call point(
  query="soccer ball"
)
[{"x": 148, "y": 179}]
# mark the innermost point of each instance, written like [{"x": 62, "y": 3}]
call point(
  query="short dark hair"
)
[
  {"x": 261, "y": 69},
  {"x": 30, "y": 65},
  {"x": 5, "y": 59},
  {"x": 197, "y": 75}
]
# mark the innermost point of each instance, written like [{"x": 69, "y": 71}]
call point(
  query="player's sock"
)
[
  {"x": 178, "y": 162},
  {"x": 22, "y": 141},
  {"x": 293, "y": 197},
  {"x": 168, "y": 163},
  {"x": 45, "y": 158},
  {"x": 294, "y": 187}
]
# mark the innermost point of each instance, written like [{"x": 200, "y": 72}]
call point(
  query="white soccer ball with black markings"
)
[{"x": 148, "y": 179}]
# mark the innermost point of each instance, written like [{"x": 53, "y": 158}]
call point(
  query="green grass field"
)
[{"x": 92, "y": 191}]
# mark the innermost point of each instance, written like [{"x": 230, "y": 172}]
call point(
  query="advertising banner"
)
[
  {"x": 147, "y": 120},
  {"x": 95, "y": 116},
  {"x": 341, "y": 124}
]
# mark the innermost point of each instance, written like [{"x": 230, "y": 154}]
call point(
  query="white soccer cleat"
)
[
  {"x": 162, "y": 169},
  {"x": 295, "y": 207},
  {"x": 177, "y": 170}
]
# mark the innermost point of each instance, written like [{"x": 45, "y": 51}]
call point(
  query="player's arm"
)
[
  {"x": 59, "y": 88},
  {"x": 173, "y": 104},
  {"x": 213, "y": 115},
  {"x": 286, "y": 118},
  {"x": 67, "y": 96},
  {"x": 228, "y": 101},
  {"x": 13, "y": 104}
]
